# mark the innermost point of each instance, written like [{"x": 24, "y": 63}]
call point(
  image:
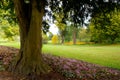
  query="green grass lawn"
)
[{"x": 103, "y": 55}]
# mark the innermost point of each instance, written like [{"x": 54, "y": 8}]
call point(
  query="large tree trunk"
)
[{"x": 29, "y": 61}]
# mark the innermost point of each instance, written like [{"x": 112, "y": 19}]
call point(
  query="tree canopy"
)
[{"x": 74, "y": 10}]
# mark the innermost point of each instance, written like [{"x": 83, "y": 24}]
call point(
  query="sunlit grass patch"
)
[{"x": 104, "y": 55}]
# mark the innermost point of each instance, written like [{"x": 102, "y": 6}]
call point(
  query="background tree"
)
[
  {"x": 50, "y": 35},
  {"x": 44, "y": 38},
  {"x": 61, "y": 26},
  {"x": 84, "y": 34},
  {"x": 106, "y": 28},
  {"x": 8, "y": 31},
  {"x": 74, "y": 33},
  {"x": 68, "y": 36},
  {"x": 8, "y": 26}
]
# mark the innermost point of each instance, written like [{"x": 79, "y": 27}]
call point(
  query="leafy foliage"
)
[
  {"x": 106, "y": 28},
  {"x": 84, "y": 35},
  {"x": 61, "y": 26},
  {"x": 9, "y": 31},
  {"x": 7, "y": 11},
  {"x": 44, "y": 38}
]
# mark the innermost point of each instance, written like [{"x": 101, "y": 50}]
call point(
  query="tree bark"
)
[
  {"x": 74, "y": 35},
  {"x": 62, "y": 37},
  {"x": 62, "y": 40},
  {"x": 29, "y": 61}
]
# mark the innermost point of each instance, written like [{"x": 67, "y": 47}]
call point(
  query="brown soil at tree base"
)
[{"x": 4, "y": 75}]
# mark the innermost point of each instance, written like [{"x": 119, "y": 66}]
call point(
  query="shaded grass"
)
[{"x": 106, "y": 55}]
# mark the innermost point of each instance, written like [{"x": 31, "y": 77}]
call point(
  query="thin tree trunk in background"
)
[
  {"x": 62, "y": 42},
  {"x": 29, "y": 61},
  {"x": 62, "y": 37},
  {"x": 74, "y": 35}
]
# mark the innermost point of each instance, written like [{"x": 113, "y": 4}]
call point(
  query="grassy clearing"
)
[{"x": 103, "y": 55}]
